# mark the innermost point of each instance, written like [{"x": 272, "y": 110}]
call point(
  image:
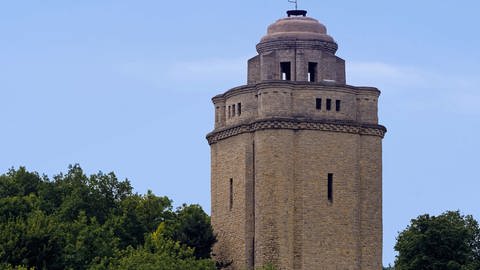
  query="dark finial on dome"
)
[{"x": 296, "y": 12}]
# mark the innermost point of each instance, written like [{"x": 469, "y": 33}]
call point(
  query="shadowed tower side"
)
[{"x": 296, "y": 158}]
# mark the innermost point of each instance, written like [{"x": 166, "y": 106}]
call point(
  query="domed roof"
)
[{"x": 297, "y": 27}]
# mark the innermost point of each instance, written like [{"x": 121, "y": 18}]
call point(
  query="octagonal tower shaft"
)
[{"x": 296, "y": 159}]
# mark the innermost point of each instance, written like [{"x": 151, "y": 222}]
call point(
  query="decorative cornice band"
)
[
  {"x": 296, "y": 124},
  {"x": 283, "y": 44},
  {"x": 296, "y": 86}
]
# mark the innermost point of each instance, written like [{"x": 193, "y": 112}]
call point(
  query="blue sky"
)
[{"x": 125, "y": 86}]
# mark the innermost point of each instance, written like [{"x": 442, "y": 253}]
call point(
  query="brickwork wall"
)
[
  {"x": 280, "y": 200},
  {"x": 274, "y": 192},
  {"x": 267, "y": 67},
  {"x": 253, "y": 70},
  {"x": 281, "y": 213},
  {"x": 229, "y": 162},
  {"x": 279, "y": 149},
  {"x": 297, "y": 100},
  {"x": 371, "y": 202},
  {"x": 330, "y": 227}
]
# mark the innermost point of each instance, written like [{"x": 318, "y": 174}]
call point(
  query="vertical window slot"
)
[
  {"x": 229, "y": 112},
  {"x": 285, "y": 71},
  {"x": 231, "y": 194},
  {"x": 337, "y": 105},
  {"x": 312, "y": 72},
  {"x": 318, "y": 104},
  {"x": 329, "y": 104},
  {"x": 239, "y": 107},
  {"x": 233, "y": 110},
  {"x": 330, "y": 187}
]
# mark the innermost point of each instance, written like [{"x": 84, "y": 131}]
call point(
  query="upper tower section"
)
[{"x": 297, "y": 48}]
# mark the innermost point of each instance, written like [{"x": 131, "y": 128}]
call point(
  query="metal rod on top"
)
[{"x": 294, "y": 2}]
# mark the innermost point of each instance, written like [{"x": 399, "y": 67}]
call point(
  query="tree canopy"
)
[
  {"x": 75, "y": 221},
  {"x": 450, "y": 241}
]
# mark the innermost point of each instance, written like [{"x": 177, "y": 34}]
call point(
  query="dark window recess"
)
[
  {"x": 312, "y": 72},
  {"x": 318, "y": 103},
  {"x": 231, "y": 193},
  {"x": 239, "y": 107},
  {"x": 229, "y": 112},
  {"x": 285, "y": 71},
  {"x": 233, "y": 110},
  {"x": 329, "y": 104},
  {"x": 330, "y": 187},
  {"x": 337, "y": 105}
]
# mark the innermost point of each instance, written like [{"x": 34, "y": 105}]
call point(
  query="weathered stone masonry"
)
[{"x": 296, "y": 159}]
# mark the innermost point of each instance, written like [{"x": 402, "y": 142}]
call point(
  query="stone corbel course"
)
[{"x": 298, "y": 124}]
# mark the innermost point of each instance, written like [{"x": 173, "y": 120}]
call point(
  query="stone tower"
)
[{"x": 296, "y": 159}]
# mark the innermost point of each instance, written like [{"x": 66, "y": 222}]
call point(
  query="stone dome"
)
[{"x": 299, "y": 28}]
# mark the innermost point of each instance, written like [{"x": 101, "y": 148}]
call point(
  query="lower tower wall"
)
[
  {"x": 371, "y": 202},
  {"x": 281, "y": 210},
  {"x": 230, "y": 200}
]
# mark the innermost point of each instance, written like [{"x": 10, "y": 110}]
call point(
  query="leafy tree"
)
[
  {"x": 153, "y": 210},
  {"x": 82, "y": 222},
  {"x": 160, "y": 253},
  {"x": 87, "y": 242},
  {"x": 10, "y": 267},
  {"x": 34, "y": 241},
  {"x": 19, "y": 183},
  {"x": 191, "y": 226},
  {"x": 449, "y": 241},
  {"x": 98, "y": 195}
]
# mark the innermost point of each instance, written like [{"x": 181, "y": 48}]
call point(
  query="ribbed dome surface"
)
[{"x": 300, "y": 28}]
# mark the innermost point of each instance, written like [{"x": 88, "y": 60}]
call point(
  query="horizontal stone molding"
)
[
  {"x": 298, "y": 124},
  {"x": 297, "y": 86},
  {"x": 288, "y": 44}
]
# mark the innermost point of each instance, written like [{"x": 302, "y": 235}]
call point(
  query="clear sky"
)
[{"x": 125, "y": 86}]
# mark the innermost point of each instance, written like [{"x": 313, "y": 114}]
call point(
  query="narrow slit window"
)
[
  {"x": 312, "y": 72},
  {"x": 229, "y": 112},
  {"x": 285, "y": 71},
  {"x": 231, "y": 194},
  {"x": 233, "y": 110},
  {"x": 318, "y": 104},
  {"x": 337, "y": 105},
  {"x": 329, "y": 104},
  {"x": 239, "y": 107},
  {"x": 330, "y": 187}
]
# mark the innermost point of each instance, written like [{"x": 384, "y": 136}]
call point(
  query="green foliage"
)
[
  {"x": 95, "y": 222},
  {"x": 449, "y": 241},
  {"x": 160, "y": 253},
  {"x": 10, "y": 267},
  {"x": 33, "y": 241},
  {"x": 191, "y": 227}
]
